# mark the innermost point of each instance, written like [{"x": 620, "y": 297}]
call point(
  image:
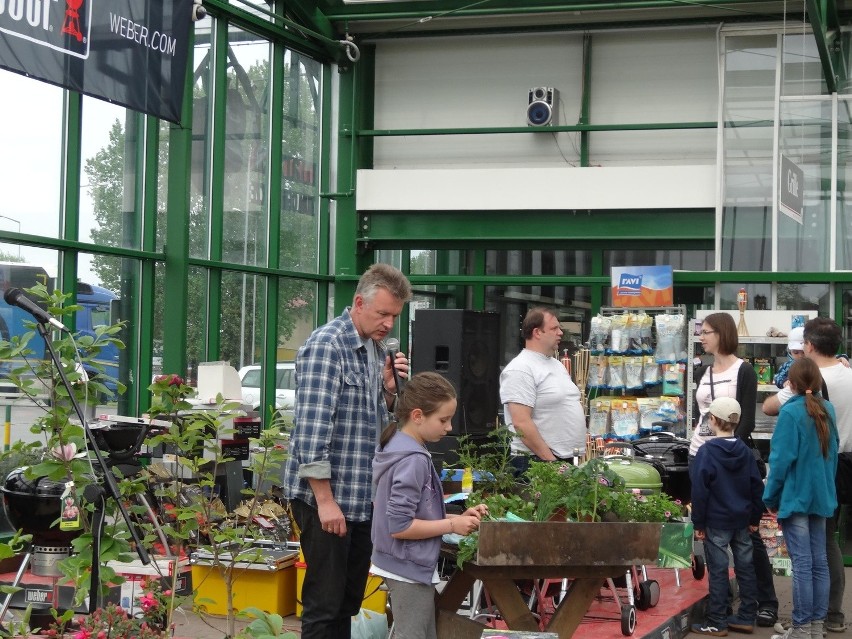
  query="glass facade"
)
[{"x": 215, "y": 238}]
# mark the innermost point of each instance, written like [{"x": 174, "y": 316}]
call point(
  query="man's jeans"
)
[
  {"x": 805, "y": 539},
  {"x": 836, "y": 571},
  {"x": 716, "y": 543},
  {"x": 336, "y": 574}
]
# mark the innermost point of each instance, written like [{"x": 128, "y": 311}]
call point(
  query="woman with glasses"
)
[{"x": 731, "y": 376}]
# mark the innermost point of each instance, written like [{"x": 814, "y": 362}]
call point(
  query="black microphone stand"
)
[{"x": 95, "y": 493}]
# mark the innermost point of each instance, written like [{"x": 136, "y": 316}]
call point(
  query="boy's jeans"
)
[
  {"x": 805, "y": 539},
  {"x": 716, "y": 543}
]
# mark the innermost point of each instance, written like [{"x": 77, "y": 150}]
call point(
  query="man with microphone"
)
[{"x": 346, "y": 381}]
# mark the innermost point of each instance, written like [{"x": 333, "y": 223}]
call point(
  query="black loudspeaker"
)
[{"x": 463, "y": 346}]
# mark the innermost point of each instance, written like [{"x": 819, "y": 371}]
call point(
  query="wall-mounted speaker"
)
[{"x": 543, "y": 106}]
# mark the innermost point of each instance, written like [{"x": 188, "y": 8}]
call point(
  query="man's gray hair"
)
[{"x": 387, "y": 277}]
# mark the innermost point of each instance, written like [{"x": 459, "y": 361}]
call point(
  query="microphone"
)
[
  {"x": 16, "y": 297},
  {"x": 392, "y": 347}
]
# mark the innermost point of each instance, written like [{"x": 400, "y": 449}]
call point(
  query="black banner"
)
[{"x": 132, "y": 52}]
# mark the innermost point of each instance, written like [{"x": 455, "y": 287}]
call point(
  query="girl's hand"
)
[
  {"x": 477, "y": 511},
  {"x": 465, "y": 524}
]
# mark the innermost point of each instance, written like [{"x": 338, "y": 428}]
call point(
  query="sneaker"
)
[
  {"x": 740, "y": 626},
  {"x": 766, "y": 617},
  {"x": 835, "y": 626},
  {"x": 708, "y": 629}
]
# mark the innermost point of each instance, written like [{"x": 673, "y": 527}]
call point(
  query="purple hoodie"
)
[{"x": 407, "y": 488}]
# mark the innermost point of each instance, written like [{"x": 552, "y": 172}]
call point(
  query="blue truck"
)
[{"x": 99, "y": 308}]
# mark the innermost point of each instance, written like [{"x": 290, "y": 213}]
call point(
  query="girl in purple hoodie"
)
[{"x": 409, "y": 517}]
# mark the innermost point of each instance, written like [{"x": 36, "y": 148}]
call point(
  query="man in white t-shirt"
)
[
  {"x": 821, "y": 342},
  {"x": 541, "y": 402}
]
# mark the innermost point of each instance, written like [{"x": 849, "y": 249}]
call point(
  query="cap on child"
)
[
  {"x": 796, "y": 340},
  {"x": 726, "y": 408}
]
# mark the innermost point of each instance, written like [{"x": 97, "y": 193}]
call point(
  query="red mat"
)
[{"x": 678, "y": 607}]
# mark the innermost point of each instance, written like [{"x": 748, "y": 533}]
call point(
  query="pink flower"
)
[
  {"x": 83, "y": 634},
  {"x": 147, "y": 601},
  {"x": 668, "y": 514},
  {"x": 65, "y": 452}
]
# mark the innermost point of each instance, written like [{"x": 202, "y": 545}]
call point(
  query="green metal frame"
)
[{"x": 831, "y": 44}]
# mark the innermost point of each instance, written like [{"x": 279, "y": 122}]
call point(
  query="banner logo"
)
[
  {"x": 630, "y": 284},
  {"x": 61, "y": 25}
]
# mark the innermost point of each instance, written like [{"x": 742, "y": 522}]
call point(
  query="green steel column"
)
[
  {"x": 71, "y": 195},
  {"x": 177, "y": 233},
  {"x": 269, "y": 356},
  {"x": 324, "y": 243},
  {"x": 219, "y": 57},
  {"x": 596, "y": 297},
  {"x": 355, "y": 109},
  {"x": 140, "y": 399},
  {"x": 585, "y": 108},
  {"x": 477, "y": 299}
]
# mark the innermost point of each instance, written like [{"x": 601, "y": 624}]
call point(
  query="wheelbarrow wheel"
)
[
  {"x": 628, "y": 620},
  {"x": 699, "y": 568},
  {"x": 649, "y": 594}
]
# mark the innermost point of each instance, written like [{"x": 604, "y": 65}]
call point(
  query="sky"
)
[{"x": 30, "y": 130}]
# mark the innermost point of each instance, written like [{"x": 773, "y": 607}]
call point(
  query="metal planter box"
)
[{"x": 551, "y": 543}]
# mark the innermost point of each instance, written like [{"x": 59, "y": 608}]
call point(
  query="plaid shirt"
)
[{"x": 336, "y": 426}]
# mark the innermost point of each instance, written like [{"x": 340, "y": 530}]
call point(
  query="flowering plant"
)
[{"x": 111, "y": 622}]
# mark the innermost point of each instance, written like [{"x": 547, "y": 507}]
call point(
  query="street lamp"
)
[{"x": 18, "y": 222}]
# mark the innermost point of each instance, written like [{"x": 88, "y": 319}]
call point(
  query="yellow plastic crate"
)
[
  {"x": 375, "y": 597},
  {"x": 273, "y": 591}
]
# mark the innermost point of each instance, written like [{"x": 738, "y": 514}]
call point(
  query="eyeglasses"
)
[{"x": 706, "y": 332}]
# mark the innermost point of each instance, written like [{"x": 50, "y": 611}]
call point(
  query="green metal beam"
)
[
  {"x": 567, "y": 128},
  {"x": 825, "y": 23},
  {"x": 475, "y": 227},
  {"x": 308, "y": 14},
  {"x": 284, "y": 30},
  {"x": 586, "y": 102},
  {"x": 399, "y": 11}
]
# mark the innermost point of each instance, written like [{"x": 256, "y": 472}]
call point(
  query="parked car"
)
[{"x": 285, "y": 385}]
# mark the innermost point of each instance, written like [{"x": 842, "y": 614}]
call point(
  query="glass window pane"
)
[
  {"x": 748, "y": 113},
  {"x": 688, "y": 260},
  {"x": 844, "y": 179},
  {"x": 108, "y": 143},
  {"x": 108, "y": 289},
  {"x": 802, "y": 71},
  {"x": 300, "y": 152},
  {"x": 537, "y": 262},
  {"x": 201, "y": 140},
  {"x": 30, "y": 177},
  {"x": 806, "y": 140},
  {"x": 246, "y": 149},
  {"x": 804, "y": 297},
  {"x": 759, "y": 295},
  {"x": 512, "y": 303},
  {"x": 196, "y": 322},
  {"x": 297, "y": 314},
  {"x": 242, "y": 322}
]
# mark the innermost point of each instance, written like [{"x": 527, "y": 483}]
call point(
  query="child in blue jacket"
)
[{"x": 726, "y": 508}]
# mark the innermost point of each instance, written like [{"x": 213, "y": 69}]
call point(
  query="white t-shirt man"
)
[
  {"x": 542, "y": 383},
  {"x": 838, "y": 380}
]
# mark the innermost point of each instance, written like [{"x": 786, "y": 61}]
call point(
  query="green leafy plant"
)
[
  {"x": 265, "y": 626},
  {"x": 491, "y": 459},
  {"x": 197, "y": 520},
  {"x": 592, "y": 492}
]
